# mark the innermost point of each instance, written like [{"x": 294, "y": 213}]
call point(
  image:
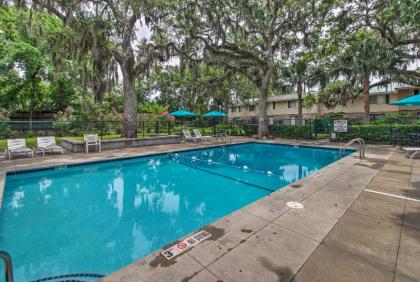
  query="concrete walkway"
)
[{"x": 378, "y": 238}]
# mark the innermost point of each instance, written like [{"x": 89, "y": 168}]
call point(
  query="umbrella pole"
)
[{"x": 214, "y": 126}]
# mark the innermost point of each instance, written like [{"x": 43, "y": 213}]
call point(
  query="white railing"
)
[{"x": 361, "y": 148}]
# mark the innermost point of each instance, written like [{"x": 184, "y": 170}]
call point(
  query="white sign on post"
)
[
  {"x": 185, "y": 244},
  {"x": 340, "y": 125}
]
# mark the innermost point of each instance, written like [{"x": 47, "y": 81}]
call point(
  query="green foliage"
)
[
  {"x": 5, "y": 131},
  {"x": 378, "y": 132},
  {"x": 396, "y": 118},
  {"x": 232, "y": 129},
  {"x": 152, "y": 108},
  {"x": 99, "y": 117},
  {"x": 4, "y": 127},
  {"x": 29, "y": 80},
  {"x": 291, "y": 131}
]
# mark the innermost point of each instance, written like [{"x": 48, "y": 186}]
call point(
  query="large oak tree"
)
[{"x": 246, "y": 36}]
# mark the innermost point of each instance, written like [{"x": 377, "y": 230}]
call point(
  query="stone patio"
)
[{"x": 346, "y": 231}]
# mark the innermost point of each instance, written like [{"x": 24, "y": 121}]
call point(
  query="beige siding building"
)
[{"x": 286, "y": 106}]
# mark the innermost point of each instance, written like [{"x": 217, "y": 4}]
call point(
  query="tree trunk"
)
[
  {"x": 130, "y": 99},
  {"x": 299, "y": 95},
  {"x": 366, "y": 100},
  {"x": 262, "y": 109}
]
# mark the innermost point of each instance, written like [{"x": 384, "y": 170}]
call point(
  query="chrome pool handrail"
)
[
  {"x": 361, "y": 149},
  {"x": 8, "y": 266},
  {"x": 222, "y": 136}
]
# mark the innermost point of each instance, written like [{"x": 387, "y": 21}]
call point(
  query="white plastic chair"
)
[
  {"x": 92, "y": 140},
  {"x": 198, "y": 135},
  {"x": 47, "y": 144},
  {"x": 187, "y": 136},
  {"x": 17, "y": 146}
]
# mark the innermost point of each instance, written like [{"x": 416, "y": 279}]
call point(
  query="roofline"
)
[{"x": 278, "y": 98}]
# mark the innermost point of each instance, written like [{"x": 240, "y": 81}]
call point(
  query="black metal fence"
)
[
  {"x": 110, "y": 129},
  {"x": 379, "y": 131}
]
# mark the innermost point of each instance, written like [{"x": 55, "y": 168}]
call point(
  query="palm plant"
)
[{"x": 363, "y": 60}]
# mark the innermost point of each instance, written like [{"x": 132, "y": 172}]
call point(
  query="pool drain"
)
[{"x": 294, "y": 205}]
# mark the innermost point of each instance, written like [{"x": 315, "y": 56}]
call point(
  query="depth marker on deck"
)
[{"x": 185, "y": 244}]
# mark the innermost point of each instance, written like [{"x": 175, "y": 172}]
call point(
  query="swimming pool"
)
[{"x": 99, "y": 217}]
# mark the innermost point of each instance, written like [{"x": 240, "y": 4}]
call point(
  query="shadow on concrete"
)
[{"x": 283, "y": 273}]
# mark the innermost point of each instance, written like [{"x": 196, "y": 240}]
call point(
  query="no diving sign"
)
[{"x": 185, "y": 244}]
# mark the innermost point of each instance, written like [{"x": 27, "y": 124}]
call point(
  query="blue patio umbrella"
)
[
  {"x": 408, "y": 102},
  {"x": 183, "y": 113},
  {"x": 215, "y": 114}
]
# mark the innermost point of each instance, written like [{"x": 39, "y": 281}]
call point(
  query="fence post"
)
[
  {"x": 142, "y": 127},
  {"x": 390, "y": 133},
  {"x": 157, "y": 127},
  {"x": 101, "y": 124},
  {"x": 169, "y": 127}
]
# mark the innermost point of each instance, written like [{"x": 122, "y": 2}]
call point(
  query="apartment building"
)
[{"x": 285, "y": 107}]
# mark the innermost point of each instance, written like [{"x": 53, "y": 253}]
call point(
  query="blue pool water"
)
[{"x": 99, "y": 217}]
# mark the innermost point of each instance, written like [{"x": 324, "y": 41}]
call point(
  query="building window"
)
[
  {"x": 292, "y": 104},
  {"x": 292, "y": 120},
  {"x": 236, "y": 109},
  {"x": 251, "y": 108},
  {"x": 271, "y": 106},
  {"x": 379, "y": 99},
  {"x": 377, "y": 116}
]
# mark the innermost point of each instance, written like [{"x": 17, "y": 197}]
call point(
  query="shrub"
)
[
  {"x": 5, "y": 131},
  {"x": 233, "y": 129},
  {"x": 291, "y": 131},
  {"x": 396, "y": 118},
  {"x": 72, "y": 122},
  {"x": 377, "y": 132}
]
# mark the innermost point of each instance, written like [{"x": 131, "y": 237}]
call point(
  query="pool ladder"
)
[
  {"x": 8, "y": 267},
  {"x": 361, "y": 149},
  {"x": 222, "y": 137}
]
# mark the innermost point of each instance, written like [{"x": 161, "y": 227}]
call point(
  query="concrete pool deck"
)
[{"x": 346, "y": 231}]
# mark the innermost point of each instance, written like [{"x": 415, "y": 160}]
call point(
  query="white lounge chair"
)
[
  {"x": 47, "y": 144},
  {"x": 17, "y": 146},
  {"x": 188, "y": 137},
  {"x": 198, "y": 135},
  {"x": 411, "y": 151},
  {"x": 92, "y": 140}
]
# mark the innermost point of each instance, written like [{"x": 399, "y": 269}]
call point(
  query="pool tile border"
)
[{"x": 116, "y": 159}]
